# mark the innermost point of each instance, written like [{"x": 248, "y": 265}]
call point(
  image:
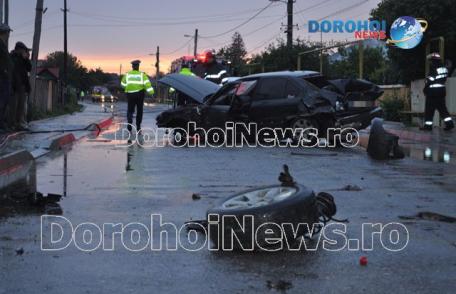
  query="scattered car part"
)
[
  {"x": 287, "y": 203},
  {"x": 196, "y": 196},
  {"x": 280, "y": 285},
  {"x": 383, "y": 145},
  {"x": 431, "y": 216}
]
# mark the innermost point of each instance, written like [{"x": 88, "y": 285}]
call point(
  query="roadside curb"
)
[
  {"x": 105, "y": 123},
  {"x": 59, "y": 142},
  {"x": 12, "y": 162}
]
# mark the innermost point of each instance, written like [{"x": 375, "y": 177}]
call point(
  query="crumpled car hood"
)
[
  {"x": 356, "y": 89},
  {"x": 196, "y": 88}
]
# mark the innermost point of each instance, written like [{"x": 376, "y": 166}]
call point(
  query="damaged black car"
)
[{"x": 299, "y": 99}]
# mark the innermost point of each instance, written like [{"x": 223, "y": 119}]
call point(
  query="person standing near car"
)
[
  {"x": 435, "y": 93},
  {"x": 209, "y": 69},
  {"x": 21, "y": 86},
  {"x": 136, "y": 83},
  {"x": 6, "y": 68}
]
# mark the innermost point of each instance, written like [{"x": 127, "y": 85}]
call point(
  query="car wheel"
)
[
  {"x": 309, "y": 126},
  {"x": 250, "y": 219},
  {"x": 179, "y": 137}
]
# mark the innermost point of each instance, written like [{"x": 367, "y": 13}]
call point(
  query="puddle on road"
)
[
  {"x": 20, "y": 196},
  {"x": 430, "y": 153}
]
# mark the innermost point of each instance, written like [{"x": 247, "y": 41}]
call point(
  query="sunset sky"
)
[{"x": 107, "y": 33}]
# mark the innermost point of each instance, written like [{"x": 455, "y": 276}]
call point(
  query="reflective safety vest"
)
[
  {"x": 186, "y": 72},
  {"x": 437, "y": 78},
  {"x": 135, "y": 81}
]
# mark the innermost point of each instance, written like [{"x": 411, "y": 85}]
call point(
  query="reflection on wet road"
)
[{"x": 107, "y": 183}]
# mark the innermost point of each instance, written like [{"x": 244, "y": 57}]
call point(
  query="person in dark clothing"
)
[
  {"x": 209, "y": 69},
  {"x": 21, "y": 86},
  {"x": 6, "y": 68},
  {"x": 435, "y": 93}
]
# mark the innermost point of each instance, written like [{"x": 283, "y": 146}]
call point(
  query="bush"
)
[{"x": 392, "y": 108}]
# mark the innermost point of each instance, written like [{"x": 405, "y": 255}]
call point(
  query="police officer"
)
[
  {"x": 185, "y": 70},
  {"x": 210, "y": 69},
  {"x": 136, "y": 83},
  {"x": 6, "y": 68},
  {"x": 435, "y": 93}
]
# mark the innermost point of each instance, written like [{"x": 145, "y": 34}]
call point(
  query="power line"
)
[
  {"x": 203, "y": 17},
  {"x": 329, "y": 15},
  {"x": 179, "y": 48},
  {"x": 142, "y": 23},
  {"x": 243, "y": 23},
  {"x": 268, "y": 24},
  {"x": 264, "y": 43}
]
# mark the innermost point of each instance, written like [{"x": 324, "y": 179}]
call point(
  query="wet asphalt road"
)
[{"x": 101, "y": 189}]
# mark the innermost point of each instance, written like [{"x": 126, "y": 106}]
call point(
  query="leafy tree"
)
[
  {"x": 76, "y": 71},
  {"x": 78, "y": 76},
  {"x": 235, "y": 52},
  {"x": 277, "y": 56},
  {"x": 440, "y": 15},
  {"x": 377, "y": 68}
]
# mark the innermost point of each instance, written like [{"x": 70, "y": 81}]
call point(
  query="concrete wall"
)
[{"x": 418, "y": 99}]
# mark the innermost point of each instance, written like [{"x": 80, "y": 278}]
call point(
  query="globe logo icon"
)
[{"x": 407, "y": 32}]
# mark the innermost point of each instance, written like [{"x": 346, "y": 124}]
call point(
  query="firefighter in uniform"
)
[
  {"x": 210, "y": 69},
  {"x": 435, "y": 93},
  {"x": 136, "y": 83}
]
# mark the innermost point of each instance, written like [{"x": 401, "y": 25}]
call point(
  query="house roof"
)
[{"x": 52, "y": 72}]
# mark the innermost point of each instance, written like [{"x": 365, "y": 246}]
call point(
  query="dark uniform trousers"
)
[
  {"x": 435, "y": 100},
  {"x": 135, "y": 100}
]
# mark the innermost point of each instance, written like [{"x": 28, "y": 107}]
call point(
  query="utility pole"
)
[
  {"x": 4, "y": 14},
  {"x": 6, "y": 19},
  {"x": 290, "y": 24},
  {"x": 120, "y": 71},
  {"x": 195, "y": 48},
  {"x": 157, "y": 73},
  {"x": 36, "y": 48},
  {"x": 2, "y": 6},
  {"x": 195, "y": 39},
  {"x": 65, "y": 54},
  {"x": 361, "y": 59}
]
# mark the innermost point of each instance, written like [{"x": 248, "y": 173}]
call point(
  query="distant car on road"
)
[{"x": 102, "y": 94}]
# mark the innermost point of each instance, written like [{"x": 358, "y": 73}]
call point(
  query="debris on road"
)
[
  {"x": 351, "y": 188},
  {"x": 285, "y": 178},
  {"x": 196, "y": 196},
  {"x": 430, "y": 216},
  {"x": 363, "y": 260},
  {"x": 383, "y": 145},
  {"x": 20, "y": 251},
  {"x": 288, "y": 202},
  {"x": 280, "y": 285}
]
